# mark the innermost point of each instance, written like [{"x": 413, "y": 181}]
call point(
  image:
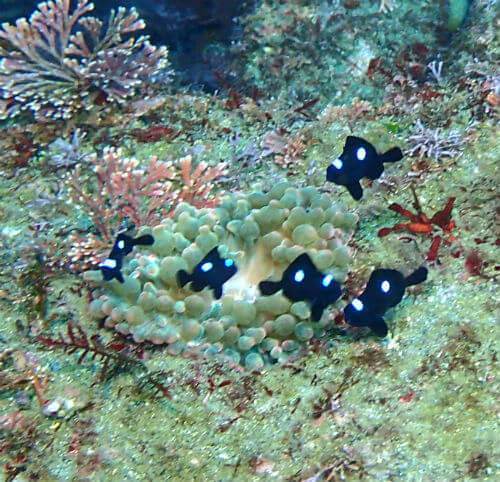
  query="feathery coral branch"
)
[
  {"x": 60, "y": 62},
  {"x": 78, "y": 340}
]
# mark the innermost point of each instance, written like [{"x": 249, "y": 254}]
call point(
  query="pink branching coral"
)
[
  {"x": 197, "y": 184},
  {"x": 60, "y": 62},
  {"x": 124, "y": 190},
  {"x": 145, "y": 195},
  {"x": 287, "y": 152}
]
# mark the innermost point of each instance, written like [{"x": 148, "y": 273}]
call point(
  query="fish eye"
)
[
  {"x": 299, "y": 276},
  {"x": 228, "y": 262},
  {"x": 121, "y": 244},
  {"x": 109, "y": 263},
  {"x": 206, "y": 266},
  {"x": 327, "y": 280},
  {"x": 337, "y": 163},
  {"x": 385, "y": 286},
  {"x": 361, "y": 154},
  {"x": 357, "y": 304}
]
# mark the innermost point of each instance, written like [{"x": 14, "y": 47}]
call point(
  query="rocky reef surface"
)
[{"x": 147, "y": 381}]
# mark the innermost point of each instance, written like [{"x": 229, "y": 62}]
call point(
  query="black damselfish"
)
[
  {"x": 212, "y": 271},
  {"x": 384, "y": 290},
  {"x": 302, "y": 281},
  {"x": 359, "y": 159},
  {"x": 124, "y": 244}
]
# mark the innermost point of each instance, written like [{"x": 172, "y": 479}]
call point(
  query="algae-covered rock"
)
[{"x": 263, "y": 233}]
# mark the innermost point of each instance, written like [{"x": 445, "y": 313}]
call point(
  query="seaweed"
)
[{"x": 111, "y": 354}]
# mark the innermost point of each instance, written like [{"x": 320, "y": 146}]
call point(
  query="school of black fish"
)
[{"x": 302, "y": 281}]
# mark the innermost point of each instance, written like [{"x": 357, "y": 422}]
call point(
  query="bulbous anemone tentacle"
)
[{"x": 263, "y": 233}]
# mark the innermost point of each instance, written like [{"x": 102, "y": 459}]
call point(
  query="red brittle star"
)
[{"x": 420, "y": 223}]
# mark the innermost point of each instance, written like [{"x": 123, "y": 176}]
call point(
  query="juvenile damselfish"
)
[
  {"x": 359, "y": 159},
  {"x": 124, "y": 244},
  {"x": 302, "y": 281},
  {"x": 212, "y": 272},
  {"x": 384, "y": 290}
]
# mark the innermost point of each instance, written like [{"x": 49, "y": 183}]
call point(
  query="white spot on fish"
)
[
  {"x": 357, "y": 304},
  {"x": 206, "y": 266},
  {"x": 327, "y": 280},
  {"x": 361, "y": 154},
  {"x": 299, "y": 276},
  {"x": 337, "y": 163},
  {"x": 109, "y": 263}
]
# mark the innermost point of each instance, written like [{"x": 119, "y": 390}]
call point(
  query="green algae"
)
[{"x": 457, "y": 12}]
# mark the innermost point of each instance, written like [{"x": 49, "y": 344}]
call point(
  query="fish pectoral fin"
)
[
  {"x": 268, "y": 288},
  {"x": 118, "y": 275},
  {"x": 197, "y": 285},
  {"x": 183, "y": 277},
  {"x": 317, "y": 310},
  {"x": 355, "y": 190},
  {"x": 378, "y": 326},
  {"x": 217, "y": 291},
  {"x": 392, "y": 155},
  {"x": 375, "y": 170}
]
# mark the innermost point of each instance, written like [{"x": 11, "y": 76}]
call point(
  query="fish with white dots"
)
[
  {"x": 302, "y": 281},
  {"x": 359, "y": 159},
  {"x": 124, "y": 244},
  {"x": 384, "y": 290},
  {"x": 212, "y": 272}
]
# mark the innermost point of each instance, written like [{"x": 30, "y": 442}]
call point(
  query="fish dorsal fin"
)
[
  {"x": 213, "y": 253},
  {"x": 183, "y": 277},
  {"x": 302, "y": 262},
  {"x": 144, "y": 240},
  {"x": 268, "y": 288},
  {"x": 352, "y": 142}
]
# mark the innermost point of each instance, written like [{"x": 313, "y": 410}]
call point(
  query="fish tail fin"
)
[
  {"x": 268, "y": 288},
  {"x": 392, "y": 155},
  {"x": 118, "y": 275},
  {"x": 378, "y": 326},
  {"x": 183, "y": 277},
  {"x": 145, "y": 240},
  {"x": 417, "y": 276}
]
